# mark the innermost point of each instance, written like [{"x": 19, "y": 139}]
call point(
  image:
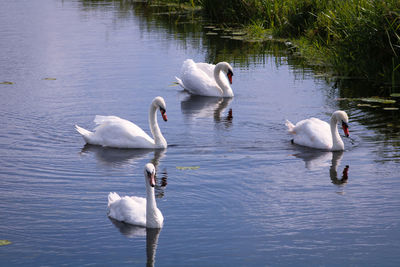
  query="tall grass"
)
[{"x": 357, "y": 37}]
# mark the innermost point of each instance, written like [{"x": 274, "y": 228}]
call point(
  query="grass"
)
[{"x": 357, "y": 38}]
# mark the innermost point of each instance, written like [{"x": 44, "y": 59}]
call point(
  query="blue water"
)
[{"x": 247, "y": 196}]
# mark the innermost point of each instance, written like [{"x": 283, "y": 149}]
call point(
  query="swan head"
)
[
  {"x": 149, "y": 174},
  {"x": 159, "y": 103},
  {"x": 227, "y": 68},
  {"x": 342, "y": 117}
]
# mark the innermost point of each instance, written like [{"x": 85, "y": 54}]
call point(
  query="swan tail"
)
[
  {"x": 85, "y": 133},
  {"x": 290, "y": 127},
  {"x": 179, "y": 81},
  {"x": 101, "y": 119},
  {"x": 112, "y": 197}
]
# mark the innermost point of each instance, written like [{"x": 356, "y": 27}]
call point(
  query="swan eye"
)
[
  {"x": 230, "y": 73},
  {"x": 148, "y": 173},
  {"x": 162, "y": 110}
]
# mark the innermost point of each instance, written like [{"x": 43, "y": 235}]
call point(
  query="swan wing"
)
[
  {"x": 314, "y": 133},
  {"x": 113, "y": 131},
  {"x": 197, "y": 79},
  {"x": 208, "y": 69},
  {"x": 130, "y": 210}
]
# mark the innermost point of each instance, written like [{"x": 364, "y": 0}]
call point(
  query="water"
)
[{"x": 247, "y": 198}]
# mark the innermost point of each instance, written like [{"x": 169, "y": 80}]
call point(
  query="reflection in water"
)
[
  {"x": 132, "y": 231},
  {"x": 314, "y": 159},
  {"x": 151, "y": 244},
  {"x": 129, "y": 230},
  {"x": 161, "y": 183},
  {"x": 195, "y": 106},
  {"x": 320, "y": 159},
  {"x": 118, "y": 156},
  {"x": 336, "y": 158}
]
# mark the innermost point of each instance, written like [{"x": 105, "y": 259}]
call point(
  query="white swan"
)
[
  {"x": 206, "y": 79},
  {"x": 137, "y": 210},
  {"x": 319, "y": 134},
  {"x": 113, "y": 131}
]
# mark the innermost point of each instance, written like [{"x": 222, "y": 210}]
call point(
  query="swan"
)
[
  {"x": 319, "y": 134},
  {"x": 206, "y": 79},
  {"x": 137, "y": 210},
  {"x": 112, "y": 131}
]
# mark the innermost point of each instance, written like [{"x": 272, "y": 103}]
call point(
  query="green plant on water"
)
[{"x": 358, "y": 38}]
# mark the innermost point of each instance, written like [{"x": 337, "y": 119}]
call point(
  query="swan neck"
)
[
  {"x": 337, "y": 143},
  {"x": 226, "y": 89},
  {"x": 151, "y": 205},
  {"x": 159, "y": 140}
]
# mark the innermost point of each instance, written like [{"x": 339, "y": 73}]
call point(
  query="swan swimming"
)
[
  {"x": 112, "y": 131},
  {"x": 206, "y": 79},
  {"x": 316, "y": 133},
  {"x": 138, "y": 210}
]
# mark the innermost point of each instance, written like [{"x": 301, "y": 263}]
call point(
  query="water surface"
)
[{"x": 248, "y": 197}]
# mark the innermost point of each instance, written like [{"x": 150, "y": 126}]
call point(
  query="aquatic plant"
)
[{"x": 358, "y": 38}]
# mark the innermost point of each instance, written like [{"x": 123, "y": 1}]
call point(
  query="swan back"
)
[
  {"x": 112, "y": 131},
  {"x": 206, "y": 79},
  {"x": 137, "y": 210},
  {"x": 319, "y": 134}
]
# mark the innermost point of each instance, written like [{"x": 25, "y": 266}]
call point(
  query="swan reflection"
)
[
  {"x": 132, "y": 231},
  {"x": 194, "y": 107},
  {"x": 323, "y": 159},
  {"x": 336, "y": 158},
  {"x": 314, "y": 159},
  {"x": 119, "y": 156}
]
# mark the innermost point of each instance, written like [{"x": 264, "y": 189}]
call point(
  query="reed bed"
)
[{"x": 357, "y": 38}]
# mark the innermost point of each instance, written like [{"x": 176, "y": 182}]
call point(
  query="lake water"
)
[{"x": 233, "y": 191}]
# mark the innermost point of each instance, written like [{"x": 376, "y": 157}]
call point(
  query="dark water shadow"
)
[
  {"x": 194, "y": 107},
  {"x": 313, "y": 158},
  {"x": 133, "y": 231},
  {"x": 316, "y": 159},
  {"x": 119, "y": 157},
  {"x": 336, "y": 159}
]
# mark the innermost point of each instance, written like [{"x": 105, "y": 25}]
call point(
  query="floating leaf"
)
[
  {"x": 395, "y": 95},
  {"x": 211, "y": 33},
  {"x": 174, "y": 84},
  {"x": 6, "y": 82},
  {"x": 364, "y": 105},
  {"x": 391, "y": 108},
  {"x": 238, "y": 38},
  {"x": 347, "y": 99},
  {"x": 238, "y": 33},
  {"x": 4, "y": 242},
  {"x": 188, "y": 168},
  {"x": 378, "y": 100},
  {"x": 49, "y": 79}
]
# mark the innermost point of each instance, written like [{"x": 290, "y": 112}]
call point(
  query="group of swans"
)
[{"x": 197, "y": 79}]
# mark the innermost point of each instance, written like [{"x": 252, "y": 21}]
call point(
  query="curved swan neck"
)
[
  {"x": 151, "y": 206},
  {"x": 226, "y": 89},
  {"x": 159, "y": 140},
  {"x": 337, "y": 143}
]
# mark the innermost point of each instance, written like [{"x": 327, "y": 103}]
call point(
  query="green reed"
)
[{"x": 358, "y": 38}]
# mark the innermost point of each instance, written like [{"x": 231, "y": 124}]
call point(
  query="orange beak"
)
[
  {"x": 230, "y": 74},
  {"x": 345, "y": 129}
]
